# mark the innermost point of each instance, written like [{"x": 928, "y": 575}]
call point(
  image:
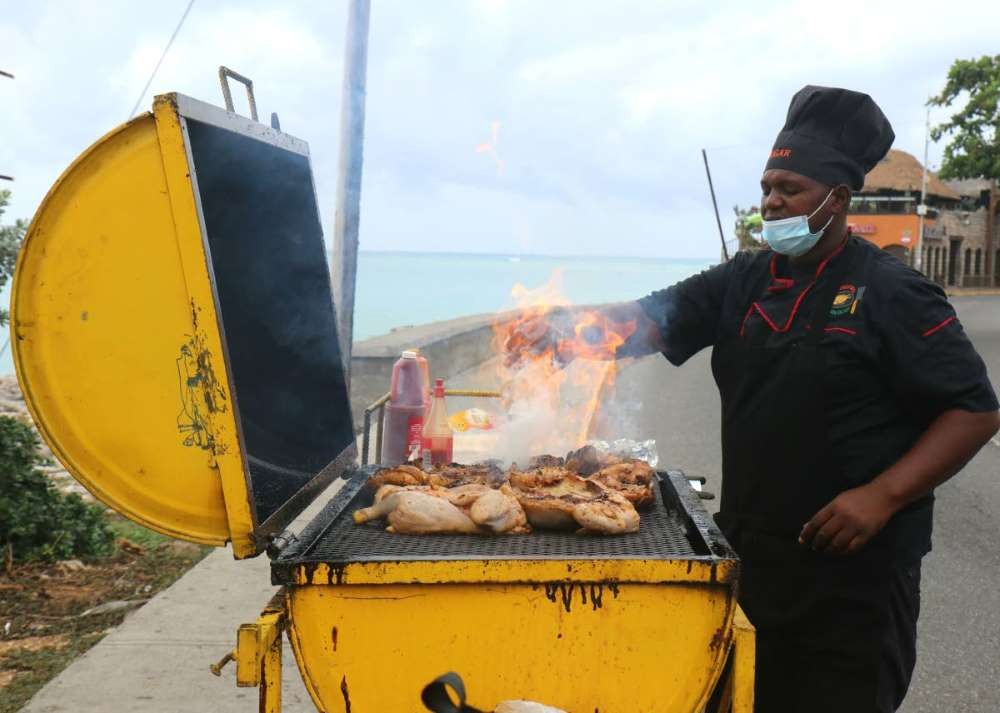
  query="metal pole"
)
[
  {"x": 922, "y": 209},
  {"x": 352, "y": 135},
  {"x": 715, "y": 205},
  {"x": 989, "y": 266}
]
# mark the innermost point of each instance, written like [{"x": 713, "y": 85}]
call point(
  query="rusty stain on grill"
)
[
  {"x": 564, "y": 592},
  {"x": 346, "y": 694}
]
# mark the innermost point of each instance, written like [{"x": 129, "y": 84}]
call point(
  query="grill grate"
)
[{"x": 676, "y": 527}]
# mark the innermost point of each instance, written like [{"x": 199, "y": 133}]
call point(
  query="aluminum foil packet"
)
[{"x": 627, "y": 448}]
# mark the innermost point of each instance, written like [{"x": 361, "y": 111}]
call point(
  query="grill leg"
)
[
  {"x": 258, "y": 654},
  {"x": 744, "y": 650},
  {"x": 270, "y": 679}
]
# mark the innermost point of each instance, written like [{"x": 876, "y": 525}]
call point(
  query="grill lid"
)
[{"x": 174, "y": 330}]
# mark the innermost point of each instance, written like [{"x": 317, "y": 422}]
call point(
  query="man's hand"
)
[
  {"x": 850, "y": 520},
  {"x": 566, "y": 333},
  {"x": 533, "y": 337}
]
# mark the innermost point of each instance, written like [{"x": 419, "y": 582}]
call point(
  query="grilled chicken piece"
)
[
  {"x": 454, "y": 475},
  {"x": 416, "y": 512},
  {"x": 446, "y": 476},
  {"x": 632, "y": 478},
  {"x": 483, "y": 510},
  {"x": 555, "y": 499},
  {"x": 500, "y": 511},
  {"x": 398, "y": 475}
]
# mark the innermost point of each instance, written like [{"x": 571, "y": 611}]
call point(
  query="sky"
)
[{"x": 601, "y": 108}]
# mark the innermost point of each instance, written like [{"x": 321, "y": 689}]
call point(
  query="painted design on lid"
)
[{"x": 202, "y": 396}]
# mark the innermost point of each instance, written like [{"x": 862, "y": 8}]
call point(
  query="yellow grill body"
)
[{"x": 579, "y": 646}]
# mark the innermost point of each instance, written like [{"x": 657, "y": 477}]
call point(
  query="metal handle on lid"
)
[{"x": 224, "y": 75}]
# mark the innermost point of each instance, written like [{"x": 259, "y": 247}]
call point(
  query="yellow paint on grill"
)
[
  {"x": 637, "y": 648},
  {"x": 108, "y": 284}
]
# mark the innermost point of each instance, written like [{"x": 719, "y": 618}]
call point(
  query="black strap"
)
[
  {"x": 435, "y": 695},
  {"x": 838, "y": 268}
]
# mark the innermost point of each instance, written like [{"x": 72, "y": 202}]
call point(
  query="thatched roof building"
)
[{"x": 901, "y": 172}]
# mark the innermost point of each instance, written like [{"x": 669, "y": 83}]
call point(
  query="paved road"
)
[{"x": 958, "y": 666}]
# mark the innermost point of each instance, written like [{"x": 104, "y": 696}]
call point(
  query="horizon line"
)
[{"x": 530, "y": 255}]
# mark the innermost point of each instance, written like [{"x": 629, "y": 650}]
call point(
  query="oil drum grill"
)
[{"x": 223, "y": 424}]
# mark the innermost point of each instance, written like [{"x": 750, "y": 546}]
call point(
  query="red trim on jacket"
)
[
  {"x": 845, "y": 330},
  {"x": 936, "y": 327},
  {"x": 798, "y": 301}
]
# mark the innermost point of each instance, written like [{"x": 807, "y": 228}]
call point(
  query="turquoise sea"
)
[{"x": 397, "y": 289}]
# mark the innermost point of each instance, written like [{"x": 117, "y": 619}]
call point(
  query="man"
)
[{"x": 849, "y": 392}]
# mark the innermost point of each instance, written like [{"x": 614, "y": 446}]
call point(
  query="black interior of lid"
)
[{"x": 269, "y": 266}]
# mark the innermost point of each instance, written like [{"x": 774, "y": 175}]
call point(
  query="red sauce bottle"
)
[{"x": 437, "y": 440}]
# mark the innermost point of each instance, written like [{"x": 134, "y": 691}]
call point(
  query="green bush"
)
[{"x": 37, "y": 522}]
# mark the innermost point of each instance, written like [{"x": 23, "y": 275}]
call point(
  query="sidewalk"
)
[
  {"x": 157, "y": 660},
  {"x": 973, "y": 291}
]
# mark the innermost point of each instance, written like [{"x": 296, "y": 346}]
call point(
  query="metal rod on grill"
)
[
  {"x": 378, "y": 431},
  {"x": 365, "y": 429}
]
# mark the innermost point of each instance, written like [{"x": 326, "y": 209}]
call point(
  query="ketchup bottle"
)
[{"x": 437, "y": 440}]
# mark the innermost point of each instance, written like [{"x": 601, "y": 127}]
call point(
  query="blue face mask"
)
[{"x": 791, "y": 236}]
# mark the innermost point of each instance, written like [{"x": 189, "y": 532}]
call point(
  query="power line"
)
[{"x": 160, "y": 61}]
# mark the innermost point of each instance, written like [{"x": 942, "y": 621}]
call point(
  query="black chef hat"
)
[{"x": 832, "y": 135}]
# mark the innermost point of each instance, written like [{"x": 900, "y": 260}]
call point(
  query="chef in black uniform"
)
[{"x": 849, "y": 392}]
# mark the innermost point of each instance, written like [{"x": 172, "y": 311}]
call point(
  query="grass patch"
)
[{"x": 49, "y": 600}]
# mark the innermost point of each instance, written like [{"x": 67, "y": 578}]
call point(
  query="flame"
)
[
  {"x": 491, "y": 146},
  {"x": 554, "y": 391}
]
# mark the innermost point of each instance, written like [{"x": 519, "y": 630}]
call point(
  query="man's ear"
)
[{"x": 841, "y": 199}]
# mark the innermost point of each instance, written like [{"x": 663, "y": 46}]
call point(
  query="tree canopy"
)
[
  {"x": 10, "y": 243},
  {"x": 973, "y": 150},
  {"x": 748, "y": 226}
]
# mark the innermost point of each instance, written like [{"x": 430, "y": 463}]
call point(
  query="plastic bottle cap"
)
[{"x": 409, "y": 355}]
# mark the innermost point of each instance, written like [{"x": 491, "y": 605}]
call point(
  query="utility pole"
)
[
  {"x": 916, "y": 255},
  {"x": 9, "y": 76},
  {"x": 352, "y": 136},
  {"x": 991, "y": 222},
  {"x": 715, "y": 205}
]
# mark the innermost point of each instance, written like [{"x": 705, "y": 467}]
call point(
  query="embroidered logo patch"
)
[
  {"x": 846, "y": 300},
  {"x": 781, "y": 153}
]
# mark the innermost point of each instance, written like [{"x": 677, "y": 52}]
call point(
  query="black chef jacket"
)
[{"x": 897, "y": 355}]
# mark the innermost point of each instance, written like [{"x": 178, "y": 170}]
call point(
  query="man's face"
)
[{"x": 786, "y": 194}]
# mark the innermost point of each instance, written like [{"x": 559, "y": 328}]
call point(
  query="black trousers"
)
[{"x": 854, "y": 655}]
